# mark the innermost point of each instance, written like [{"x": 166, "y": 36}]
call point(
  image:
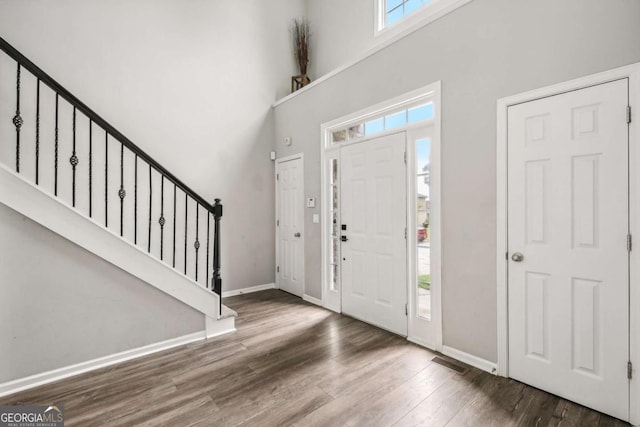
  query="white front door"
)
[
  {"x": 290, "y": 225},
  {"x": 373, "y": 217},
  {"x": 568, "y": 223}
]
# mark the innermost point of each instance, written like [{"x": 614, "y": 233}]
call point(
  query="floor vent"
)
[{"x": 459, "y": 369}]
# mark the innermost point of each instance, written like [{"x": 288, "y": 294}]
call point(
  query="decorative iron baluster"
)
[
  {"x": 56, "y": 145},
  {"x": 38, "y": 132},
  {"x": 217, "y": 279},
  {"x": 161, "y": 221},
  {"x": 150, "y": 209},
  {"x": 196, "y": 245},
  {"x": 90, "y": 168},
  {"x": 135, "y": 201},
  {"x": 74, "y": 161},
  {"x": 174, "y": 225},
  {"x": 186, "y": 216},
  {"x": 207, "y": 262},
  {"x": 122, "y": 193},
  {"x": 17, "y": 119},
  {"x": 106, "y": 179}
]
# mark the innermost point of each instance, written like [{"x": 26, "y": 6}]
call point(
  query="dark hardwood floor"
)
[{"x": 292, "y": 363}]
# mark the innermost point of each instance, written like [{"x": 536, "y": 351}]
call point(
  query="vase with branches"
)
[{"x": 301, "y": 35}]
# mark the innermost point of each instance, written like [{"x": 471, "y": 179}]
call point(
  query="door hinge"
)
[
  {"x": 406, "y": 310},
  {"x": 629, "y": 370},
  {"x": 629, "y": 243},
  {"x": 277, "y": 177},
  {"x": 405, "y": 233},
  {"x": 405, "y": 157},
  {"x": 628, "y": 114},
  {"x": 277, "y": 223},
  {"x": 278, "y": 269}
]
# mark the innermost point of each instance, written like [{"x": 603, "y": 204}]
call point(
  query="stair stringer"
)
[{"x": 50, "y": 212}]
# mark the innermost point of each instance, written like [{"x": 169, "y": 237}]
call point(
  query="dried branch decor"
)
[{"x": 301, "y": 33}]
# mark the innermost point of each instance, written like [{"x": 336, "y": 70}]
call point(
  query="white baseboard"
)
[
  {"x": 312, "y": 300},
  {"x": 215, "y": 328},
  {"x": 258, "y": 288},
  {"x": 21, "y": 384},
  {"x": 470, "y": 359}
]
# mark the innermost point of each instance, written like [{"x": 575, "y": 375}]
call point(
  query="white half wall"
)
[{"x": 62, "y": 305}]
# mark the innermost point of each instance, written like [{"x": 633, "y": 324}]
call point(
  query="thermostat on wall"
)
[{"x": 311, "y": 202}]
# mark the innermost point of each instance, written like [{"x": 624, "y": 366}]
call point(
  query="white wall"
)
[
  {"x": 62, "y": 305},
  {"x": 483, "y": 51},
  {"x": 191, "y": 82}
]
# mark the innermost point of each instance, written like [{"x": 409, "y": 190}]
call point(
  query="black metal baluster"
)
[
  {"x": 186, "y": 215},
  {"x": 90, "y": 168},
  {"x": 150, "y": 209},
  {"x": 217, "y": 279},
  {"x": 74, "y": 161},
  {"x": 38, "y": 132},
  {"x": 17, "y": 119},
  {"x": 122, "y": 193},
  {"x": 196, "y": 245},
  {"x": 135, "y": 201},
  {"x": 56, "y": 145},
  {"x": 161, "y": 221},
  {"x": 208, "y": 234},
  {"x": 174, "y": 225},
  {"x": 106, "y": 179}
]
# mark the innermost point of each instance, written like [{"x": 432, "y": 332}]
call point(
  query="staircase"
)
[{"x": 66, "y": 168}]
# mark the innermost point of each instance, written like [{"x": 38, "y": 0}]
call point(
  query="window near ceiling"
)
[
  {"x": 387, "y": 122},
  {"x": 396, "y": 10},
  {"x": 398, "y": 16}
]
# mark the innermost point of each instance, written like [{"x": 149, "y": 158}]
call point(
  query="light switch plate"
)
[{"x": 316, "y": 218}]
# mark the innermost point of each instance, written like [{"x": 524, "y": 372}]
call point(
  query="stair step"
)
[{"x": 227, "y": 312}]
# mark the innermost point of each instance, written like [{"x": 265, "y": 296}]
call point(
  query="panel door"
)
[
  {"x": 373, "y": 195},
  {"x": 569, "y": 263},
  {"x": 290, "y": 226}
]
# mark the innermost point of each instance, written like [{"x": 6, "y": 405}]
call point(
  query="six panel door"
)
[
  {"x": 568, "y": 260},
  {"x": 374, "y": 258}
]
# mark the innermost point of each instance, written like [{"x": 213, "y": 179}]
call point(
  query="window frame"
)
[{"x": 413, "y": 21}]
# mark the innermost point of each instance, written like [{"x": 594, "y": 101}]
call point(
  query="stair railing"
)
[{"x": 58, "y": 125}]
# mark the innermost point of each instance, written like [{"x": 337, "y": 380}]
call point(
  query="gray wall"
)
[
  {"x": 191, "y": 82},
  {"x": 61, "y": 305},
  {"x": 483, "y": 51}
]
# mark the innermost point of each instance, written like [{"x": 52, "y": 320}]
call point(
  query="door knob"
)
[
  {"x": 297, "y": 234},
  {"x": 344, "y": 238},
  {"x": 517, "y": 257}
]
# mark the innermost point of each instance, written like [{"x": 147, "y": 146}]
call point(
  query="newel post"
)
[{"x": 217, "y": 280}]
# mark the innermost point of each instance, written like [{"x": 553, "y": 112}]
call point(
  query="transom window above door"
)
[{"x": 374, "y": 125}]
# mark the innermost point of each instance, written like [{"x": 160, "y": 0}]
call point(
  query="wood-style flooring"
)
[{"x": 292, "y": 363}]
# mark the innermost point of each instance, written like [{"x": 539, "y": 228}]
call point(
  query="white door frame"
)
[
  {"x": 332, "y": 151},
  {"x": 279, "y": 161},
  {"x": 631, "y": 72}
]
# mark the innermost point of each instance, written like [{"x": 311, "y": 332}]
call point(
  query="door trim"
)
[
  {"x": 632, "y": 73},
  {"x": 299, "y": 156},
  {"x": 332, "y": 151}
]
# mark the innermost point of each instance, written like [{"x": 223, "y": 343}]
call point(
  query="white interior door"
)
[
  {"x": 373, "y": 216},
  {"x": 290, "y": 225},
  {"x": 568, "y": 258}
]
